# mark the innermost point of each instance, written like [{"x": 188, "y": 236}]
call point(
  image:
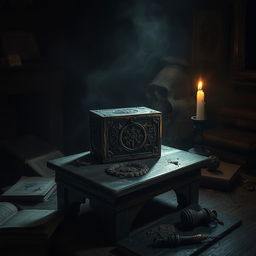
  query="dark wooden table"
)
[{"x": 118, "y": 201}]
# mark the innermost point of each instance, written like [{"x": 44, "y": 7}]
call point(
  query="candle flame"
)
[{"x": 200, "y": 85}]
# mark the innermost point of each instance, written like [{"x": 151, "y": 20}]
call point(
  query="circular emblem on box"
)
[{"x": 133, "y": 136}]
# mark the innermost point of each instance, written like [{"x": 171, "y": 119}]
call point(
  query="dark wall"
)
[{"x": 111, "y": 50}]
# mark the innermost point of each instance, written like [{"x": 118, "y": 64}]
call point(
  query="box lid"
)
[{"x": 124, "y": 111}]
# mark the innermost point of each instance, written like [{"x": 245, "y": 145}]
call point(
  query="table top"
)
[{"x": 173, "y": 163}]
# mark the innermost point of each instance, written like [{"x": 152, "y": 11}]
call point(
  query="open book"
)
[
  {"x": 30, "y": 189},
  {"x": 29, "y": 224}
]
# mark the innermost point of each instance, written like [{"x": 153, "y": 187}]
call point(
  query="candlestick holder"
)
[{"x": 199, "y": 127}]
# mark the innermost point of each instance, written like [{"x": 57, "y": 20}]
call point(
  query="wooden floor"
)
[
  {"x": 84, "y": 236},
  {"x": 240, "y": 203}
]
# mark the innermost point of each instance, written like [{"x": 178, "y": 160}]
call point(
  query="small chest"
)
[{"x": 125, "y": 133}]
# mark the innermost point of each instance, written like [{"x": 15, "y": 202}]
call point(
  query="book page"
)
[
  {"x": 7, "y": 211},
  {"x": 30, "y": 186},
  {"x": 29, "y": 218}
]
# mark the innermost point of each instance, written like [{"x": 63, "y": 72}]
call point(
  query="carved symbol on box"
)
[
  {"x": 133, "y": 136},
  {"x": 125, "y": 111}
]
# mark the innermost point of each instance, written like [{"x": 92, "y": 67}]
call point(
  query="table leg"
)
[
  {"x": 69, "y": 200},
  {"x": 117, "y": 222},
  {"x": 188, "y": 194}
]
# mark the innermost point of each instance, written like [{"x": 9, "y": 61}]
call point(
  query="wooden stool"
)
[{"x": 118, "y": 200}]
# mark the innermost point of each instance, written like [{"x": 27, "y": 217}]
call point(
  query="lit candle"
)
[{"x": 200, "y": 115}]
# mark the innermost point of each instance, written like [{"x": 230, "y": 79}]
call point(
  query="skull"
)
[{"x": 171, "y": 92}]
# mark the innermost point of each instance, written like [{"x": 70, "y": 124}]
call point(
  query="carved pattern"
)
[
  {"x": 114, "y": 135},
  {"x": 125, "y": 111},
  {"x": 156, "y": 150},
  {"x": 133, "y": 136},
  {"x": 156, "y": 119},
  {"x": 151, "y": 131},
  {"x": 110, "y": 122}
]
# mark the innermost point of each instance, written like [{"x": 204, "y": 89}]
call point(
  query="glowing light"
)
[
  {"x": 200, "y": 85},
  {"x": 200, "y": 112}
]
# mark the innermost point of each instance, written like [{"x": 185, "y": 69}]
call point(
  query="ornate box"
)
[{"x": 125, "y": 133}]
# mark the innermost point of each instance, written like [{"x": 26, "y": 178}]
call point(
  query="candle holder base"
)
[{"x": 199, "y": 147}]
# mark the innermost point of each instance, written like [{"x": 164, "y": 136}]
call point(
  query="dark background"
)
[
  {"x": 114, "y": 49},
  {"x": 101, "y": 54}
]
